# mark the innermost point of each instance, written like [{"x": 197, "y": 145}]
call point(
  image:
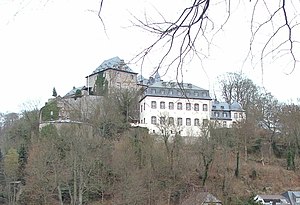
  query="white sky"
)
[{"x": 58, "y": 43}]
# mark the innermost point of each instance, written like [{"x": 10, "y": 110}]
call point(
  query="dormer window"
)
[{"x": 196, "y": 93}]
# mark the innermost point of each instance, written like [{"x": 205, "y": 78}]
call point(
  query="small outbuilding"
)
[{"x": 201, "y": 198}]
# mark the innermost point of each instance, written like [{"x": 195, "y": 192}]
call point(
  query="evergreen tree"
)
[
  {"x": 101, "y": 85},
  {"x": 54, "y": 93}
]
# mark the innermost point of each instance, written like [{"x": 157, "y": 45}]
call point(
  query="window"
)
[
  {"x": 153, "y": 104},
  {"x": 204, "y": 107},
  {"x": 204, "y": 94},
  {"x": 144, "y": 106},
  {"x": 179, "y": 121},
  {"x": 131, "y": 77},
  {"x": 188, "y": 106},
  {"x": 162, "y": 91},
  {"x": 179, "y": 106},
  {"x": 153, "y": 91},
  {"x": 224, "y": 124},
  {"x": 240, "y": 115},
  {"x": 162, "y": 105},
  {"x": 222, "y": 107},
  {"x": 188, "y": 121},
  {"x": 225, "y": 114},
  {"x": 205, "y": 122},
  {"x": 196, "y": 122},
  {"x": 196, "y": 107},
  {"x": 170, "y": 92},
  {"x": 216, "y": 114},
  {"x": 235, "y": 115},
  {"x": 153, "y": 120},
  {"x": 141, "y": 108},
  {"x": 162, "y": 120},
  {"x": 171, "y": 105},
  {"x": 196, "y": 93},
  {"x": 171, "y": 121}
]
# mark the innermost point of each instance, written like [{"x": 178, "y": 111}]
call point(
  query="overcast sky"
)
[{"x": 56, "y": 43}]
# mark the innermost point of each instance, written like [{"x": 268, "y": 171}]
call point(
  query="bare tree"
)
[
  {"x": 235, "y": 87},
  {"x": 273, "y": 27}
]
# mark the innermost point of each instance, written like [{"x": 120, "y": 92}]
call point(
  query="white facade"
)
[
  {"x": 167, "y": 106},
  {"x": 226, "y": 115},
  {"x": 271, "y": 200}
]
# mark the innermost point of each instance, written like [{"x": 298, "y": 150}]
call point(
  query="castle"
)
[{"x": 172, "y": 107}]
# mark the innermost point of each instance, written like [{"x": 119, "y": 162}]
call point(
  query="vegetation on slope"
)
[{"x": 107, "y": 162}]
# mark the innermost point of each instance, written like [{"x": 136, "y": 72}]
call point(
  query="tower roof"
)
[{"x": 113, "y": 63}]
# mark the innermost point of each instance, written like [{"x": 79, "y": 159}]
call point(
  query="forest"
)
[{"x": 104, "y": 160}]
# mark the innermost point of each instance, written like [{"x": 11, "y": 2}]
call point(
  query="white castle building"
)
[
  {"x": 174, "y": 107},
  {"x": 183, "y": 108}
]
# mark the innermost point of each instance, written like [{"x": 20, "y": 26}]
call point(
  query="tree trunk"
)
[
  {"x": 237, "y": 169},
  {"x": 74, "y": 182},
  {"x": 60, "y": 195},
  {"x": 71, "y": 196},
  {"x": 80, "y": 188},
  {"x": 206, "y": 162}
]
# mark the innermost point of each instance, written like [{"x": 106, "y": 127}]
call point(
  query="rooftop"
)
[
  {"x": 176, "y": 90},
  {"x": 113, "y": 63}
]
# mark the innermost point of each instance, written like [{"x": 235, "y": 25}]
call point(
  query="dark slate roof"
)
[
  {"x": 73, "y": 91},
  {"x": 216, "y": 105},
  {"x": 176, "y": 90},
  {"x": 201, "y": 198},
  {"x": 291, "y": 196},
  {"x": 113, "y": 63},
  {"x": 141, "y": 80},
  {"x": 236, "y": 106},
  {"x": 272, "y": 197}
]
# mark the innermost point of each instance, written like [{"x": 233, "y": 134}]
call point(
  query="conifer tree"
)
[{"x": 54, "y": 93}]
